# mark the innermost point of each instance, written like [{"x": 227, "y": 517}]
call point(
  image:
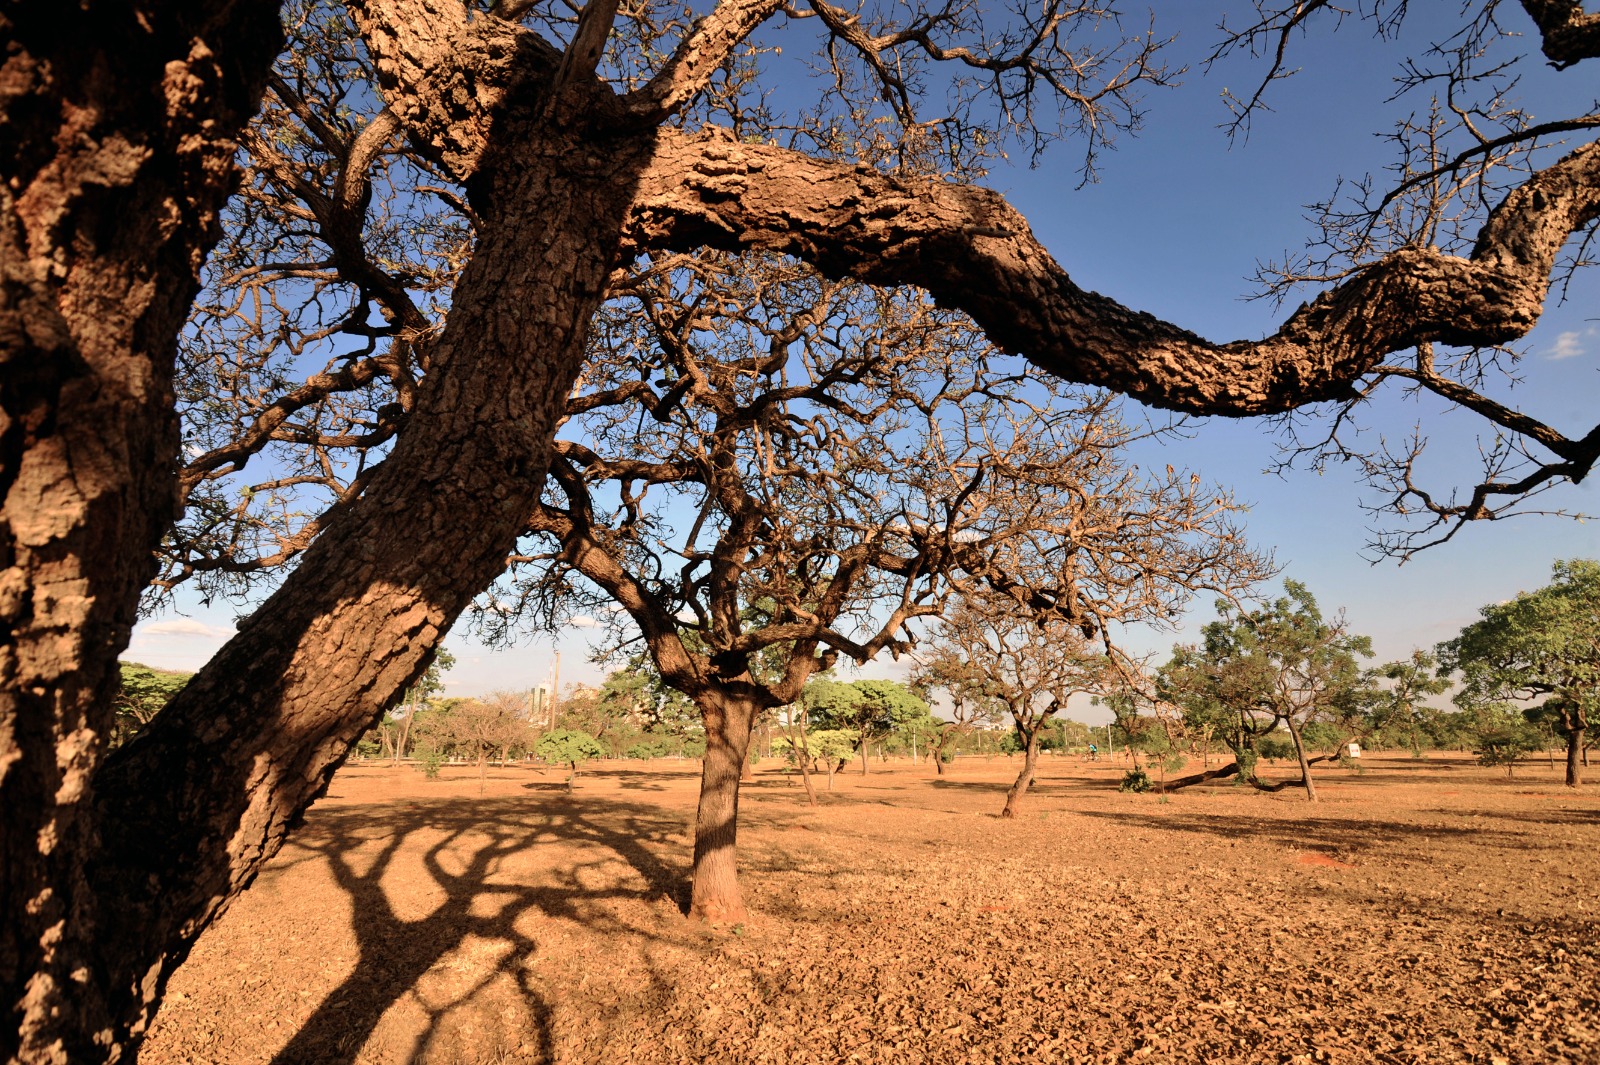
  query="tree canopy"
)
[
  {"x": 1540, "y": 647},
  {"x": 1284, "y": 663}
]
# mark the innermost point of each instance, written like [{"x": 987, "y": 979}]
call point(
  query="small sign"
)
[{"x": 1354, "y": 750}]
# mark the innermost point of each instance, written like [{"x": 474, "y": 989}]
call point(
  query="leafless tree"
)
[
  {"x": 824, "y": 464},
  {"x": 942, "y": 666},
  {"x": 568, "y": 143}
]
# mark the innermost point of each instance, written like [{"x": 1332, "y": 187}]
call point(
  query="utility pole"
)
[{"x": 555, "y": 688}]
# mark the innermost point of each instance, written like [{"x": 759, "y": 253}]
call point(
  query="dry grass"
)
[{"x": 1424, "y": 911}]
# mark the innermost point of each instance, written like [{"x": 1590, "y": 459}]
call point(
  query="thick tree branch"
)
[
  {"x": 973, "y": 251},
  {"x": 1568, "y": 34}
]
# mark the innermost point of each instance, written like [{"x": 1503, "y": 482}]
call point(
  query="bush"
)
[
  {"x": 1503, "y": 747},
  {"x": 1274, "y": 747},
  {"x": 1135, "y": 780},
  {"x": 432, "y": 759}
]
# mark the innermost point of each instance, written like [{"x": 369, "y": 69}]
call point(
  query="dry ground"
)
[{"x": 1422, "y": 912}]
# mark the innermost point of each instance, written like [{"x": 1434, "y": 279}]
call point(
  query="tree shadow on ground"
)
[
  {"x": 1046, "y": 787},
  {"x": 470, "y": 844},
  {"x": 1562, "y": 816},
  {"x": 1331, "y": 835}
]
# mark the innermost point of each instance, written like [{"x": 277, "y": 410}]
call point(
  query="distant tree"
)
[
  {"x": 1403, "y": 706},
  {"x": 477, "y": 728},
  {"x": 570, "y": 747},
  {"x": 141, "y": 693},
  {"x": 428, "y": 686},
  {"x": 869, "y": 710},
  {"x": 943, "y": 668},
  {"x": 1501, "y": 735},
  {"x": 1030, "y": 663},
  {"x": 1539, "y": 646},
  {"x": 1282, "y": 664}
]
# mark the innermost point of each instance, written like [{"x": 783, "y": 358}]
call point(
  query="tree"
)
[
  {"x": 870, "y": 710},
  {"x": 1031, "y": 664},
  {"x": 1542, "y": 645},
  {"x": 121, "y": 146},
  {"x": 942, "y": 667},
  {"x": 1501, "y": 735},
  {"x": 142, "y": 693},
  {"x": 569, "y": 746},
  {"x": 826, "y": 464},
  {"x": 477, "y": 728},
  {"x": 427, "y": 687},
  {"x": 1402, "y": 706},
  {"x": 1283, "y": 664}
]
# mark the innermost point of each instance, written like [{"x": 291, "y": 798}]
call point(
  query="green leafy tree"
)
[
  {"x": 430, "y": 686},
  {"x": 141, "y": 693},
  {"x": 1540, "y": 647},
  {"x": 1403, "y": 707},
  {"x": 570, "y": 747},
  {"x": 868, "y": 710},
  {"x": 1283, "y": 664},
  {"x": 1501, "y": 735}
]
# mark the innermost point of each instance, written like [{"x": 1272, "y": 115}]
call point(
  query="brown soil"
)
[{"x": 1422, "y": 912}]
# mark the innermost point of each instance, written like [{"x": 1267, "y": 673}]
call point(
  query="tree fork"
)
[{"x": 192, "y": 809}]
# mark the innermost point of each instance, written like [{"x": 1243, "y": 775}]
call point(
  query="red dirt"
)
[{"x": 413, "y": 921}]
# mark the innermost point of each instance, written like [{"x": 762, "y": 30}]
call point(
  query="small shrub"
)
[
  {"x": 1275, "y": 748},
  {"x": 1135, "y": 780},
  {"x": 432, "y": 759}
]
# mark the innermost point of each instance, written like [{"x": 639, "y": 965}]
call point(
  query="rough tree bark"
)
[
  {"x": 217, "y": 781},
  {"x": 116, "y": 152},
  {"x": 1019, "y": 787},
  {"x": 1576, "y": 721},
  {"x": 715, "y": 894},
  {"x": 1300, "y": 755},
  {"x": 973, "y": 251}
]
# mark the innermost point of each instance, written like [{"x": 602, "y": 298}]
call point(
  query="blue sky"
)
[{"x": 1175, "y": 226}]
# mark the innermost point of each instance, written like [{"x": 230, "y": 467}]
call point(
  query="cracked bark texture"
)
[
  {"x": 973, "y": 251},
  {"x": 192, "y": 808},
  {"x": 117, "y": 145}
]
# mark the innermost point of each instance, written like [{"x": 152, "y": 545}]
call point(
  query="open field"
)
[{"x": 1423, "y": 911}]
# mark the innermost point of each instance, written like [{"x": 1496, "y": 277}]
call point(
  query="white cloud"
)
[
  {"x": 184, "y": 627},
  {"x": 1570, "y": 344},
  {"x": 583, "y": 621}
]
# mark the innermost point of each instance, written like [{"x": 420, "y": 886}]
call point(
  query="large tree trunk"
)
[
  {"x": 1019, "y": 787},
  {"x": 715, "y": 894},
  {"x": 1220, "y": 773},
  {"x": 116, "y": 155},
  {"x": 208, "y": 793}
]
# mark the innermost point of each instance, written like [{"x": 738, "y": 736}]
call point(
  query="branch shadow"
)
[
  {"x": 466, "y": 861},
  {"x": 1328, "y": 835}
]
